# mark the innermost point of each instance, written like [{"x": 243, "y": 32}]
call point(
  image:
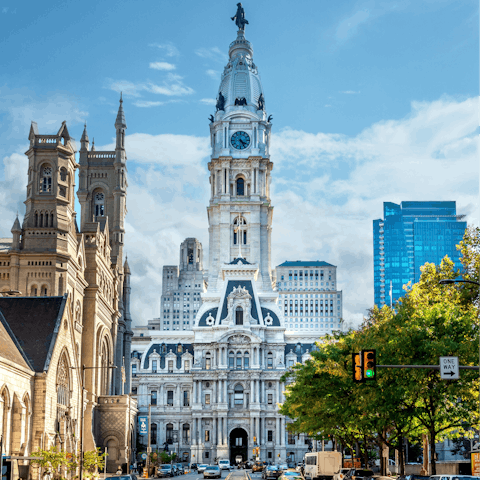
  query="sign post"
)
[
  {"x": 143, "y": 425},
  {"x": 449, "y": 368}
]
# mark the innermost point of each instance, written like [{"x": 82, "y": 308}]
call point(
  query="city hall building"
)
[{"x": 209, "y": 369}]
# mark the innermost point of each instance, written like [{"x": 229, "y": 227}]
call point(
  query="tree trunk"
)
[
  {"x": 365, "y": 454},
  {"x": 432, "y": 452},
  {"x": 401, "y": 459}
]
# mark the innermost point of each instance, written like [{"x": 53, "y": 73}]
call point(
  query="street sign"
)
[
  {"x": 143, "y": 425},
  {"x": 449, "y": 368},
  {"x": 476, "y": 464},
  {"x": 144, "y": 456}
]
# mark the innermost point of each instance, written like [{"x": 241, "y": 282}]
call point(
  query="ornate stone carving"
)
[
  {"x": 238, "y": 339},
  {"x": 210, "y": 320},
  {"x": 268, "y": 320}
]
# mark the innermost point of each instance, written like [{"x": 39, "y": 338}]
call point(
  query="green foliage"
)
[
  {"x": 55, "y": 462},
  {"x": 430, "y": 321},
  {"x": 93, "y": 462}
]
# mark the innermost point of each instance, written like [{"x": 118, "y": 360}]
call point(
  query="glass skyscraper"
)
[{"x": 410, "y": 235}]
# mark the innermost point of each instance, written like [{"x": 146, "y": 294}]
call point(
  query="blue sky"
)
[{"x": 372, "y": 101}]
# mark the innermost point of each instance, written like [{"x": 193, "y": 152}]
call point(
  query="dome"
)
[{"x": 240, "y": 85}]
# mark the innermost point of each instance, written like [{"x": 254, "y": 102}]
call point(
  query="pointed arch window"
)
[
  {"x": 99, "y": 204},
  {"x": 46, "y": 179},
  {"x": 63, "y": 383}
]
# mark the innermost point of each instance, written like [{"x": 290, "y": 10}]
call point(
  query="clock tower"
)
[{"x": 239, "y": 212}]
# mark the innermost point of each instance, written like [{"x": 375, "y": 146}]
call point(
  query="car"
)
[
  {"x": 453, "y": 477},
  {"x": 282, "y": 467},
  {"x": 271, "y": 472},
  {"x": 130, "y": 476},
  {"x": 180, "y": 468},
  {"x": 165, "y": 471},
  {"x": 291, "y": 475},
  {"x": 359, "y": 474},
  {"x": 257, "y": 467},
  {"x": 299, "y": 467},
  {"x": 201, "y": 467},
  {"x": 224, "y": 464},
  {"x": 193, "y": 466},
  {"x": 212, "y": 471},
  {"x": 341, "y": 474},
  {"x": 291, "y": 465}
]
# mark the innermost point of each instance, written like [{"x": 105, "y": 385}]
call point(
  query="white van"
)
[
  {"x": 224, "y": 464},
  {"x": 322, "y": 465}
]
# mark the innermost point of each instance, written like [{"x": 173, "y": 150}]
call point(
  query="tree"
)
[
  {"x": 93, "y": 461},
  {"x": 54, "y": 462}
]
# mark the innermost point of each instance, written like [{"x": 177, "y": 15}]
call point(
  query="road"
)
[{"x": 226, "y": 475}]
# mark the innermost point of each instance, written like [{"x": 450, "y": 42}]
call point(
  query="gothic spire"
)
[
  {"x": 120, "y": 122},
  {"x": 84, "y": 141}
]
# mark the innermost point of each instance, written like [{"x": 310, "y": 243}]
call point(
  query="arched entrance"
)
[{"x": 238, "y": 445}]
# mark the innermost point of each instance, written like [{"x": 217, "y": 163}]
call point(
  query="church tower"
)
[{"x": 240, "y": 212}]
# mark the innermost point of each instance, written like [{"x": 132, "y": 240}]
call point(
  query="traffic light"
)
[
  {"x": 357, "y": 367},
  {"x": 369, "y": 364}
]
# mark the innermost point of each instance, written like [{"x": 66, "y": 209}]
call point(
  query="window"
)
[
  {"x": 187, "y": 365},
  {"x": 208, "y": 363},
  {"x": 99, "y": 201},
  {"x": 269, "y": 454},
  {"x": 170, "y": 366},
  {"x": 240, "y": 187},
  {"x": 169, "y": 435},
  {"x": 269, "y": 360},
  {"x": 186, "y": 434},
  {"x": 45, "y": 179},
  {"x": 153, "y": 433},
  {"x": 154, "y": 366},
  {"x": 134, "y": 369},
  {"x": 207, "y": 435},
  {"x": 179, "y": 348},
  {"x": 246, "y": 361},
  {"x": 231, "y": 360},
  {"x": 63, "y": 388},
  {"x": 153, "y": 397},
  {"x": 134, "y": 390},
  {"x": 207, "y": 399},
  {"x": 238, "y": 395},
  {"x": 239, "y": 362},
  {"x": 170, "y": 398},
  {"x": 239, "y": 316},
  {"x": 239, "y": 226},
  {"x": 291, "y": 438},
  {"x": 186, "y": 398},
  {"x": 270, "y": 436},
  {"x": 270, "y": 398}
]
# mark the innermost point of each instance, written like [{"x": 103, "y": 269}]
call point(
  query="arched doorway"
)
[{"x": 238, "y": 445}]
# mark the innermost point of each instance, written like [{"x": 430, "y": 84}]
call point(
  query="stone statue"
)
[
  {"x": 241, "y": 101},
  {"x": 261, "y": 102},
  {"x": 269, "y": 118},
  {"x": 239, "y": 17},
  {"x": 211, "y": 118},
  {"x": 220, "y": 102}
]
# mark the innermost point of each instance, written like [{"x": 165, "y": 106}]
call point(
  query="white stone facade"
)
[{"x": 214, "y": 390}]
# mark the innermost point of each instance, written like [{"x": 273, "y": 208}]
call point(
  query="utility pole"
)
[{"x": 149, "y": 448}]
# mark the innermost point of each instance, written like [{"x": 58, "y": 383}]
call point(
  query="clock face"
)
[{"x": 240, "y": 140}]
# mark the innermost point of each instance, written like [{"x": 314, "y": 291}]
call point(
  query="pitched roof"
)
[
  {"x": 301, "y": 263},
  {"x": 34, "y": 321},
  {"x": 11, "y": 349}
]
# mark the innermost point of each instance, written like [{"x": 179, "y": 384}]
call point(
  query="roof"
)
[
  {"x": 301, "y": 263},
  {"x": 11, "y": 350},
  {"x": 34, "y": 321}
]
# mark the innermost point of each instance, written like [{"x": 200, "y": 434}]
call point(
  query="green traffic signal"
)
[{"x": 370, "y": 373}]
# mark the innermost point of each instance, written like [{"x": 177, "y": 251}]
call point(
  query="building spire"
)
[
  {"x": 84, "y": 141},
  {"x": 120, "y": 122}
]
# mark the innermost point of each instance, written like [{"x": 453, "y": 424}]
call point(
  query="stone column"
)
[
  {"x": 227, "y": 191},
  {"x": 225, "y": 431},
  {"x": 200, "y": 400},
  {"x": 161, "y": 400},
  {"x": 225, "y": 392},
  {"x": 214, "y": 400},
  {"x": 252, "y": 391},
  {"x": 177, "y": 396},
  {"x": 194, "y": 432},
  {"x": 277, "y": 431}
]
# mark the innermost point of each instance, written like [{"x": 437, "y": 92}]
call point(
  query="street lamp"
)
[{"x": 83, "y": 368}]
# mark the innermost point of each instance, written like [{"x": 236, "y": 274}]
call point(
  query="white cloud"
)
[
  {"x": 169, "y": 49},
  {"x": 213, "y": 74},
  {"x": 213, "y": 53},
  {"x": 208, "y": 101},
  {"x": 350, "y": 92},
  {"x": 162, "y": 66},
  {"x": 348, "y": 26},
  {"x": 172, "y": 86},
  {"x": 127, "y": 88}
]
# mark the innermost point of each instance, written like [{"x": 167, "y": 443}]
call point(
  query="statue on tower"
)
[{"x": 239, "y": 17}]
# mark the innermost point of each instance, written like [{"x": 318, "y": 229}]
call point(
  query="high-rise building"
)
[
  {"x": 408, "y": 236},
  {"x": 309, "y": 297},
  {"x": 181, "y": 289}
]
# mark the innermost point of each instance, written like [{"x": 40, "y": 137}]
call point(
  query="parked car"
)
[
  {"x": 291, "y": 475},
  {"x": 271, "y": 472},
  {"x": 130, "y": 476},
  {"x": 224, "y": 464},
  {"x": 291, "y": 465},
  {"x": 201, "y": 467},
  {"x": 359, "y": 474},
  {"x": 452, "y": 477},
  {"x": 164, "y": 471},
  {"x": 282, "y": 467},
  {"x": 212, "y": 471}
]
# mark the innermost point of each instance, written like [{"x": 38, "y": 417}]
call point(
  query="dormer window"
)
[
  {"x": 270, "y": 360},
  {"x": 239, "y": 316}
]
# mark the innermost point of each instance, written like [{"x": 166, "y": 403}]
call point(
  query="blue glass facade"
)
[{"x": 410, "y": 235}]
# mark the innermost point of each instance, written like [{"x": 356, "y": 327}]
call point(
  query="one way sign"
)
[{"x": 449, "y": 368}]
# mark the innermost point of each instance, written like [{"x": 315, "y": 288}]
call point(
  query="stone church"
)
[
  {"x": 64, "y": 306},
  {"x": 213, "y": 389}
]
